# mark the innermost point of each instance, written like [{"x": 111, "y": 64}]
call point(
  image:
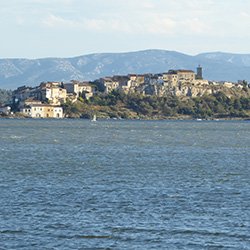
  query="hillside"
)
[
  {"x": 216, "y": 66},
  {"x": 118, "y": 105}
]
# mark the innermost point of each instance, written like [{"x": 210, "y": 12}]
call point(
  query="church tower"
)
[{"x": 199, "y": 73}]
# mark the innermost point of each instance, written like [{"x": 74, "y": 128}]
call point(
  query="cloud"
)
[
  {"x": 20, "y": 21},
  {"x": 53, "y": 21},
  {"x": 48, "y": 2},
  {"x": 106, "y": 25},
  {"x": 148, "y": 5},
  {"x": 147, "y": 17},
  {"x": 149, "y": 25},
  {"x": 161, "y": 25},
  {"x": 195, "y": 25},
  {"x": 245, "y": 15},
  {"x": 131, "y": 17},
  {"x": 90, "y": 24}
]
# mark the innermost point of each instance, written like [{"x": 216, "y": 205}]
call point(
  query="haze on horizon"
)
[{"x": 68, "y": 28}]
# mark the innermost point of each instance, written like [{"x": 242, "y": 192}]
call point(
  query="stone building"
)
[
  {"x": 174, "y": 76},
  {"x": 77, "y": 88},
  {"x": 109, "y": 84},
  {"x": 53, "y": 93}
]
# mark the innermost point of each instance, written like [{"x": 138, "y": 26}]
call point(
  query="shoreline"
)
[{"x": 134, "y": 119}]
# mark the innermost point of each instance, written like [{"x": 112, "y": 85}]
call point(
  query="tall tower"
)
[{"x": 199, "y": 73}]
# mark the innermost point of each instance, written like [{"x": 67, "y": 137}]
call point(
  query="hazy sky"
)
[{"x": 67, "y": 28}]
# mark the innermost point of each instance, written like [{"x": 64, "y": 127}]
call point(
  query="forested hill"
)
[
  {"x": 136, "y": 106},
  {"x": 216, "y": 66}
]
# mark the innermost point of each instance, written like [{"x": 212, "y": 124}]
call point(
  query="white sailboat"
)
[{"x": 93, "y": 118}]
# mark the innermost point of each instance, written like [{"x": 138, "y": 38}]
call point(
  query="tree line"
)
[{"x": 118, "y": 104}]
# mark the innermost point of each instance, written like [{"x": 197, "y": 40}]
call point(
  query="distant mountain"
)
[{"x": 216, "y": 66}]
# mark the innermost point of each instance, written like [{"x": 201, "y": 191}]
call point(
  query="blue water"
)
[{"x": 76, "y": 184}]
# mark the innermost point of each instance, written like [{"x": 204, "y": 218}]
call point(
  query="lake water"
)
[{"x": 76, "y": 184}]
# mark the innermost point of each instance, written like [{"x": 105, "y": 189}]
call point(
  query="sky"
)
[{"x": 68, "y": 28}]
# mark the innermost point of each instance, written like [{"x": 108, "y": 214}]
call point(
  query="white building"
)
[{"x": 43, "y": 111}]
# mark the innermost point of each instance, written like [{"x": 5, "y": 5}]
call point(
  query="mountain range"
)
[{"x": 216, "y": 66}]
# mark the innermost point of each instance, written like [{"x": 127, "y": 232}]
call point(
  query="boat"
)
[{"x": 93, "y": 118}]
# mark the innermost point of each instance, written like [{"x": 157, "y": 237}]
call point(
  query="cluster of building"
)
[
  {"x": 46, "y": 99},
  {"x": 182, "y": 83},
  {"x": 152, "y": 84}
]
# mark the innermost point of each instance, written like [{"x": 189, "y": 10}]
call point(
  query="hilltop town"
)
[{"x": 51, "y": 99}]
